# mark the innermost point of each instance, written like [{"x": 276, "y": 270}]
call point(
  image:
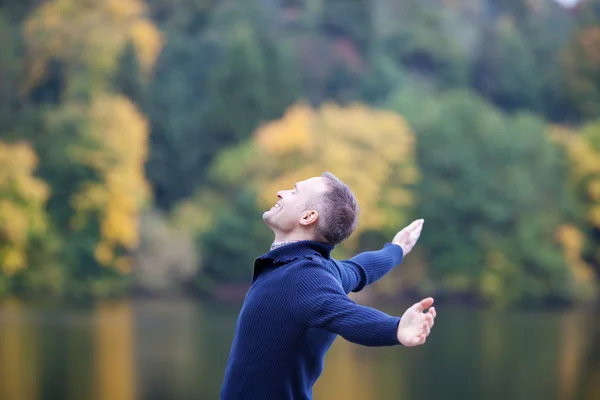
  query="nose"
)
[{"x": 282, "y": 193}]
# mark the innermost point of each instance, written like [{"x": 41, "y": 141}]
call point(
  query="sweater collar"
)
[{"x": 299, "y": 249}]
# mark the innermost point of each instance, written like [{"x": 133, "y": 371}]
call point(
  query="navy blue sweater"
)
[{"x": 296, "y": 306}]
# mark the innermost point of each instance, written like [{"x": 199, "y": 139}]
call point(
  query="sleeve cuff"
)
[
  {"x": 396, "y": 249},
  {"x": 393, "y": 332}
]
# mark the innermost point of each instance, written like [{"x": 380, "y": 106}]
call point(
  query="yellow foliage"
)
[
  {"x": 147, "y": 41},
  {"x": 122, "y": 134},
  {"x": 584, "y": 163},
  {"x": 585, "y": 166},
  {"x": 89, "y": 35},
  {"x": 573, "y": 241},
  {"x": 371, "y": 150},
  {"x": 23, "y": 198},
  {"x": 594, "y": 189}
]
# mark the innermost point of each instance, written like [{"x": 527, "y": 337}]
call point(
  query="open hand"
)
[
  {"x": 407, "y": 237},
  {"x": 415, "y": 325}
]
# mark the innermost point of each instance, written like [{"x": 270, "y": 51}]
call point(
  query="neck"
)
[
  {"x": 283, "y": 238},
  {"x": 292, "y": 237},
  {"x": 279, "y": 244}
]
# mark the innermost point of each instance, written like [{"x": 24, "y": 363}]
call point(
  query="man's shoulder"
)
[{"x": 316, "y": 267}]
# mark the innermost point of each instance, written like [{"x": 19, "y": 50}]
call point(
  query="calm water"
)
[{"x": 175, "y": 350}]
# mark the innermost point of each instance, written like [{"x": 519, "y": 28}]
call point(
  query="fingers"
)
[
  {"x": 423, "y": 304},
  {"x": 428, "y": 322},
  {"x": 418, "y": 335},
  {"x": 418, "y": 223},
  {"x": 429, "y": 318},
  {"x": 413, "y": 231},
  {"x": 407, "y": 231}
]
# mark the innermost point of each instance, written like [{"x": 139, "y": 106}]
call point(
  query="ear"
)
[{"x": 309, "y": 217}]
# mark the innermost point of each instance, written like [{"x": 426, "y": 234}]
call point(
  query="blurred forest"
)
[{"x": 140, "y": 140}]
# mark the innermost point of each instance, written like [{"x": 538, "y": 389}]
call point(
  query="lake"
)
[{"x": 177, "y": 349}]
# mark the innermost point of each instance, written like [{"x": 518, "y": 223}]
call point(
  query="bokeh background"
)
[{"x": 140, "y": 141}]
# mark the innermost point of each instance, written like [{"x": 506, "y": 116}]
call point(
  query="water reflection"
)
[
  {"x": 177, "y": 349},
  {"x": 167, "y": 342},
  {"x": 574, "y": 346},
  {"x": 18, "y": 375},
  {"x": 113, "y": 355},
  {"x": 589, "y": 387},
  {"x": 352, "y": 374}
]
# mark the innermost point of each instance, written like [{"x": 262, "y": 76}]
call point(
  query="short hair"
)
[{"x": 339, "y": 211}]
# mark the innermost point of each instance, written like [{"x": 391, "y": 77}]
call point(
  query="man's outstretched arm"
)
[
  {"x": 369, "y": 266},
  {"x": 317, "y": 300}
]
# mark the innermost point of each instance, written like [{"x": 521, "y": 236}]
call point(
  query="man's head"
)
[{"x": 321, "y": 208}]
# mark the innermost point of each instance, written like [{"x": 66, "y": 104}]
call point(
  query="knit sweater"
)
[{"x": 296, "y": 306}]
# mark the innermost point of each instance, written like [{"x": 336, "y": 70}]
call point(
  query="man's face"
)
[{"x": 286, "y": 215}]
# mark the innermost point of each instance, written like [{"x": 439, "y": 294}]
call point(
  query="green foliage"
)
[
  {"x": 10, "y": 64},
  {"x": 180, "y": 146},
  {"x": 422, "y": 46},
  {"x": 505, "y": 71},
  {"x": 128, "y": 79},
  {"x": 348, "y": 19},
  {"x": 581, "y": 61},
  {"x": 211, "y": 90},
  {"x": 217, "y": 89},
  {"x": 493, "y": 190},
  {"x": 22, "y": 200},
  {"x": 234, "y": 241},
  {"x": 584, "y": 179}
]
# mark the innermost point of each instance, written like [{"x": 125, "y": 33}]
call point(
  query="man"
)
[{"x": 298, "y": 300}]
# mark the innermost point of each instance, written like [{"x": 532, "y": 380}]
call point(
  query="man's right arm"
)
[
  {"x": 317, "y": 300},
  {"x": 368, "y": 267}
]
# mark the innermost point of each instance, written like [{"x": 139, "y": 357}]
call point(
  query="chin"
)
[{"x": 267, "y": 215}]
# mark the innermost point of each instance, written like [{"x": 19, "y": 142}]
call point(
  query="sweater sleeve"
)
[
  {"x": 318, "y": 301},
  {"x": 369, "y": 266}
]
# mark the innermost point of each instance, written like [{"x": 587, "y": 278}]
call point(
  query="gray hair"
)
[{"x": 339, "y": 211}]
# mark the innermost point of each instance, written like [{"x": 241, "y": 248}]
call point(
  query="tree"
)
[
  {"x": 211, "y": 90},
  {"x": 371, "y": 150},
  {"x": 231, "y": 244},
  {"x": 494, "y": 190},
  {"x": 584, "y": 163},
  {"x": 88, "y": 37},
  {"x": 581, "y": 61},
  {"x": 92, "y": 156},
  {"x": 505, "y": 70},
  {"x": 91, "y": 142},
  {"x": 23, "y": 198},
  {"x": 128, "y": 78},
  {"x": 423, "y": 46},
  {"x": 9, "y": 67}
]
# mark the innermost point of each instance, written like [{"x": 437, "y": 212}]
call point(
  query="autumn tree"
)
[
  {"x": 87, "y": 38},
  {"x": 92, "y": 142},
  {"x": 23, "y": 198},
  {"x": 584, "y": 163},
  {"x": 371, "y": 150}
]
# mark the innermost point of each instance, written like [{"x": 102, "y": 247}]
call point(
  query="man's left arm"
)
[{"x": 369, "y": 266}]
